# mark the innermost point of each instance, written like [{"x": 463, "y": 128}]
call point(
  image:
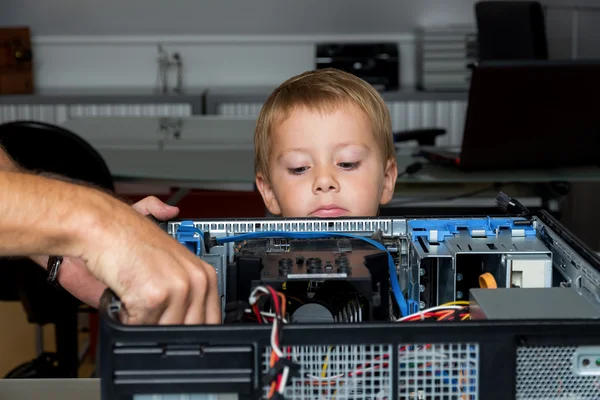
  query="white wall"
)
[
  {"x": 84, "y": 43},
  {"x": 209, "y": 61},
  {"x": 218, "y": 17},
  {"x": 223, "y": 42}
]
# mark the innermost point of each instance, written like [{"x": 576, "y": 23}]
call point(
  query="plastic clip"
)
[{"x": 186, "y": 235}]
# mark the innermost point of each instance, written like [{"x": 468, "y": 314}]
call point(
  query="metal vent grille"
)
[
  {"x": 340, "y": 372},
  {"x": 438, "y": 371},
  {"x": 548, "y": 372},
  {"x": 181, "y": 396},
  {"x": 386, "y": 226}
]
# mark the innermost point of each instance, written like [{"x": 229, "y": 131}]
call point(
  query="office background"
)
[{"x": 85, "y": 44}]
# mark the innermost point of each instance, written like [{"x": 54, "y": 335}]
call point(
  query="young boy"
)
[{"x": 324, "y": 147}]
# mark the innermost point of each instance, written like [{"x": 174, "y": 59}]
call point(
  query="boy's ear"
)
[
  {"x": 266, "y": 191},
  {"x": 389, "y": 182}
]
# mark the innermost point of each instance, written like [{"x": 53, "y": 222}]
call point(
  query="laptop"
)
[{"x": 528, "y": 114}]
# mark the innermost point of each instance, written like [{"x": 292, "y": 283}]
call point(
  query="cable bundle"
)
[
  {"x": 280, "y": 368},
  {"x": 456, "y": 310}
]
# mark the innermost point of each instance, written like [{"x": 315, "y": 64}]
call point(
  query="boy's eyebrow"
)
[
  {"x": 348, "y": 144},
  {"x": 336, "y": 148},
  {"x": 295, "y": 150}
]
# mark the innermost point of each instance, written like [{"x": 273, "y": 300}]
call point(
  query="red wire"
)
[
  {"x": 257, "y": 313},
  {"x": 275, "y": 300},
  {"x": 276, "y": 305}
]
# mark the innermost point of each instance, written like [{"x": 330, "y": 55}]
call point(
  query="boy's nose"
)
[{"x": 325, "y": 182}]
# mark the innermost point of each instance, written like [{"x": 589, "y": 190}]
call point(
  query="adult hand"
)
[
  {"x": 157, "y": 279},
  {"x": 79, "y": 281}
]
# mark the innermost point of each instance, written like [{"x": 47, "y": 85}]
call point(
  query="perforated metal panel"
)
[
  {"x": 425, "y": 371},
  {"x": 176, "y": 397},
  {"x": 438, "y": 371},
  {"x": 549, "y": 372},
  {"x": 340, "y": 372}
]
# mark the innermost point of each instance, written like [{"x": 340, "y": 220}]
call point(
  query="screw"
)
[
  {"x": 459, "y": 277},
  {"x": 421, "y": 288},
  {"x": 422, "y": 272},
  {"x": 422, "y": 305},
  {"x": 459, "y": 295}
]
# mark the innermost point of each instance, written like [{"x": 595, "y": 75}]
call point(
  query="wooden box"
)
[{"x": 16, "y": 67}]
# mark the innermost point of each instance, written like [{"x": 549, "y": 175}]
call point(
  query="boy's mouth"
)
[{"x": 330, "y": 210}]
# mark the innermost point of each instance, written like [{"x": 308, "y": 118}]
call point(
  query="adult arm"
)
[
  {"x": 158, "y": 280},
  {"x": 78, "y": 280},
  {"x": 74, "y": 276}
]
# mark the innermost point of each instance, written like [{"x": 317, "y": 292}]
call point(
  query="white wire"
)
[
  {"x": 432, "y": 309},
  {"x": 325, "y": 379},
  {"x": 359, "y": 313},
  {"x": 276, "y": 348},
  {"x": 265, "y": 314},
  {"x": 335, "y": 377},
  {"x": 284, "y": 378},
  {"x": 422, "y": 354},
  {"x": 252, "y": 299}
]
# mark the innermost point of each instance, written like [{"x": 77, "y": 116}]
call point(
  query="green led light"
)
[{"x": 598, "y": 362}]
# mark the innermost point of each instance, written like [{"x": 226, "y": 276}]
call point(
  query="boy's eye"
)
[
  {"x": 349, "y": 165},
  {"x": 297, "y": 171}
]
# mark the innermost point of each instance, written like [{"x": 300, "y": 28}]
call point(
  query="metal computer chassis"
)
[{"x": 509, "y": 359}]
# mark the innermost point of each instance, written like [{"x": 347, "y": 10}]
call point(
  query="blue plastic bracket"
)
[
  {"x": 436, "y": 230},
  {"x": 189, "y": 236}
]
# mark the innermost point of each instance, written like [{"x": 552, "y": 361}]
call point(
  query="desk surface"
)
[
  {"x": 50, "y": 389},
  {"x": 75, "y": 389},
  {"x": 213, "y": 150}
]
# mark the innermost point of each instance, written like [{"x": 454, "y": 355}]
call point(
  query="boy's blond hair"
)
[{"x": 322, "y": 91}]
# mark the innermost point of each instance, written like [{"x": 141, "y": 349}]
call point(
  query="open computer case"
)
[{"x": 495, "y": 307}]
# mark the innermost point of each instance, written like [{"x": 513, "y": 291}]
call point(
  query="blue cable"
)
[{"x": 319, "y": 235}]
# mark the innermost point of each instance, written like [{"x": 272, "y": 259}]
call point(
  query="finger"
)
[
  {"x": 213, "y": 301},
  {"x": 76, "y": 279},
  {"x": 124, "y": 317},
  {"x": 152, "y": 205},
  {"x": 196, "y": 313},
  {"x": 146, "y": 311},
  {"x": 146, "y": 298},
  {"x": 178, "y": 301}
]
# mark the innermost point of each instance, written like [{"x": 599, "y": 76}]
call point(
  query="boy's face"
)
[{"x": 326, "y": 165}]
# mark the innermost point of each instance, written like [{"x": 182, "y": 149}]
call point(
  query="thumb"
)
[{"x": 152, "y": 205}]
